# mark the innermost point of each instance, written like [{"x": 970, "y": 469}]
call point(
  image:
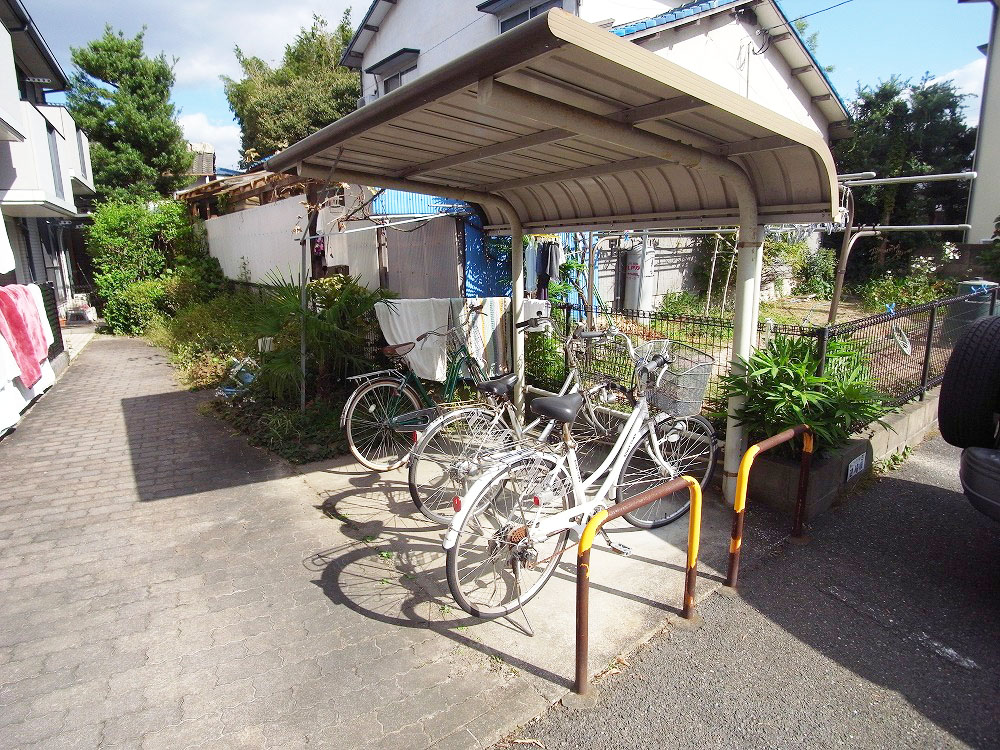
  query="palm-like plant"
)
[
  {"x": 781, "y": 389},
  {"x": 337, "y": 321}
]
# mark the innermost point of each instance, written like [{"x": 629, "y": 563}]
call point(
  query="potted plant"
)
[{"x": 781, "y": 389}]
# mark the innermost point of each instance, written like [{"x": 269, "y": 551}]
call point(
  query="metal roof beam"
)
[
  {"x": 644, "y": 162},
  {"x": 630, "y": 116},
  {"x": 495, "y": 149}
]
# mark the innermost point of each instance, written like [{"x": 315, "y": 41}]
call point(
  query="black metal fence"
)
[
  {"x": 907, "y": 350},
  {"x": 546, "y": 367}
]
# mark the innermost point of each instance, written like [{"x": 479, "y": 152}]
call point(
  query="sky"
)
[{"x": 865, "y": 40}]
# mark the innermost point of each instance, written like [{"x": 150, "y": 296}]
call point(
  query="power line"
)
[{"x": 810, "y": 15}]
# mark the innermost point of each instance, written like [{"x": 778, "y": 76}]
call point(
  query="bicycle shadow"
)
[{"x": 402, "y": 582}]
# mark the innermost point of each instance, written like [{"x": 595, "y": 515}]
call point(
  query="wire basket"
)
[
  {"x": 602, "y": 360},
  {"x": 680, "y": 387}
]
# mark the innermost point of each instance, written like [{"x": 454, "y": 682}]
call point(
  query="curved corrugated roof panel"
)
[{"x": 440, "y": 131}]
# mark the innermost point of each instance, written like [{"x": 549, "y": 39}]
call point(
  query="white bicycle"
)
[
  {"x": 512, "y": 526},
  {"x": 459, "y": 445}
]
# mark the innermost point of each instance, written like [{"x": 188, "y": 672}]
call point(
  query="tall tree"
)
[
  {"x": 307, "y": 91},
  {"x": 901, "y": 128},
  {"x": 121, "y": 99}
]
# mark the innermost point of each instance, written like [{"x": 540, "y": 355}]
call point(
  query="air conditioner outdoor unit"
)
[{"x": 367, "y": 99}]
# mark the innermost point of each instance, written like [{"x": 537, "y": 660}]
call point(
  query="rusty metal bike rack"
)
[
  {"x": 582, "y": 684},
  {"x": 742, "y": 485}
]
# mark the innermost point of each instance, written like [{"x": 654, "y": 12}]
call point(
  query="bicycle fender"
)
[{"x": 469, "y": 500}]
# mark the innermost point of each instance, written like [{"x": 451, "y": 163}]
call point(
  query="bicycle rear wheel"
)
[
  {"x": 449, "y": 457},
  {"x": 494, "y": 567},
  {"x": 373, "y": 423},
  {"x": 688, "y": 446}
]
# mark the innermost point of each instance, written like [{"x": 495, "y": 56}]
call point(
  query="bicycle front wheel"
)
[
  {"x": 449, "y": 457},
  {"x": 376, "y": 421},
  {"x": 688, "y": 446},
  {"x": 495, "y": 567}
]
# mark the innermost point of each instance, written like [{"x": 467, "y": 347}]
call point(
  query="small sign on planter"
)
[{"x": 857, "y": 466}]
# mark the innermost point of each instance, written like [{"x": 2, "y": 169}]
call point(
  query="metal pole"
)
[
  {"x": 729, "y": 276},
  {"x": 804, "y": 468},
  {"x": 993, "y": 300},
  {"x": 823, "y": 337},
  {"x": 927, "y": 353},
  {"x": 592, "y": 258},
  {"x": 845, "y": 252},
  {"x": 711, "y": 275},
  {"x": 303, "y": 273}
]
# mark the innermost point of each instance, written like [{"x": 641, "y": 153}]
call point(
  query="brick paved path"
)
[{"x": 164, "y": 585}]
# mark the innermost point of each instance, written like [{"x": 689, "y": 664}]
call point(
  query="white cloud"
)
[
  {"x": 225, "y": 137},
  {"x": 200, "y": 34},
  {"x": 969, "y": 80}
]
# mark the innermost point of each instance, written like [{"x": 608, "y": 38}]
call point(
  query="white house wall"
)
[
  {"x": 441, "y": 33},
  {"x": 984, "y": 205},
  {"x": 10, "y": 99},
  {"x": 263, "y": 236},
  {"x": 724, "y": 50}
]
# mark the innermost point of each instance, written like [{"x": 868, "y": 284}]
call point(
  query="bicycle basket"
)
[
  {"x": 680, "y": 387},
  {"x": 602, "y": 360}
]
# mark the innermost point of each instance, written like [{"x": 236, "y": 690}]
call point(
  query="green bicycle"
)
[{"x": 389, "y": 409}]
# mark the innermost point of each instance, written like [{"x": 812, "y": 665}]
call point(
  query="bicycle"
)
[
  {"x": 388, "y": 409},
  {"x": 457, "y": 446},
  {"x": 512, "y": 526}
]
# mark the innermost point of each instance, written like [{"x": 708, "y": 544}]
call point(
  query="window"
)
[
  {"x": 535, "y": 10},
  {"x": 393, "y": 82},
  {"x": 83, "y": 155},
  {"x": 54, "y": 158}
]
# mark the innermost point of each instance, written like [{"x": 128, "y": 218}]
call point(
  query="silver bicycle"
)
[{"x": 512, "y": 526}]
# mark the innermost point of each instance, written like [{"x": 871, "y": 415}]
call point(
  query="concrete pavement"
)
[
  {"x": 162, "y": 584},
  {"x": 882, "y": 632}
]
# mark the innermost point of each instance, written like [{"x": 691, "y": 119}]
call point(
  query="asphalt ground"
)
[{"x": 881, "y": 632}]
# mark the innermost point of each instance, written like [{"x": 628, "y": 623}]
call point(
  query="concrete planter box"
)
[{"x": 774, "y": 479}]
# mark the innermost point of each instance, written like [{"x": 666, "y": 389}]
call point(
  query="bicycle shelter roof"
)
[{"x": 439, "y": 131}]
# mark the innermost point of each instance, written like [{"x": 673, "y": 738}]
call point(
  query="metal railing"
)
[
  {"x": 582, "y": 682},
  {"x": 908, "y": 350},
  {"x": 743, "y": 486}
]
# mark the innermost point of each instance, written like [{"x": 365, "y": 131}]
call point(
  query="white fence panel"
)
[{"x": 260, "y": 238}]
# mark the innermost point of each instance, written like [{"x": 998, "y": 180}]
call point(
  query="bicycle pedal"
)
[{"x": 620, "y": 549}]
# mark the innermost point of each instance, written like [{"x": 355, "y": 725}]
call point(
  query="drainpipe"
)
[
  {"x": 499, "y": 96},
  {"x": 501, "y": 204}
]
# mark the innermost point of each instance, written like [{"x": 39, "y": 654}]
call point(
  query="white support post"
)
[{"x": 750, "y": 253}]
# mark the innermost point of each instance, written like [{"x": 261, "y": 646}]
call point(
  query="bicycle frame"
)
[{"x": 582, "y": 508}]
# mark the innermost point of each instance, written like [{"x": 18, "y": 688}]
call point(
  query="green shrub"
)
[
  {"x": 781, "y": 390},
  {"x": 906, "y": 291},
  {"x": 130, "y": 308},
  {"x": 338, "y": 321},
  {"x": 680, "y": 303},
  {"x": 203, "y": 337},
  {"x": 132, "y": 241},
  {"x": 817, "y": 273}
]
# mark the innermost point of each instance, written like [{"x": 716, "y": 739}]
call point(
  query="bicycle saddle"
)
[
  {"x": 398, "y": 350},
  {"x": 560, "y": 408},
  {"x": 502, "y": 386}
]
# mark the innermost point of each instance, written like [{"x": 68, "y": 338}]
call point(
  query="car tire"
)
[{"x": 970, "y": 392}]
